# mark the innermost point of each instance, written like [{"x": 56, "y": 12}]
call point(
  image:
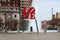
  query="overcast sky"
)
[{"x": 43, "y": 10}]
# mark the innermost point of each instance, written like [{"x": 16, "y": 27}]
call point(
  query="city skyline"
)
[{"x": 44, "y": 11}]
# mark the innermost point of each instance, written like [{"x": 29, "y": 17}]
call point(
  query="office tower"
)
[
  {"x": 27, "y": 4},
  {"x": 12, "y": 12}
]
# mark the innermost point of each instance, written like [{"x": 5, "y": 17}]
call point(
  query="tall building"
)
[
  {"x": 54, "y": 22},
  {"x": 27, "y": 4},
  {"x": 57, "y": 15},
  {"x": 11, "y": 12}
]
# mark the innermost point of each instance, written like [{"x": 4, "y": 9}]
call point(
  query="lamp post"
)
[
  {"x": 5, "y": 23},
  {"x": 37, "y": 26},
  {"x": 52, "y": 17}
]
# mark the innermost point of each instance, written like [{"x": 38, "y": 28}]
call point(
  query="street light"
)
[
  {"x": 37, "y": 26},
  {"x": 52, "y": 18},
  {"x": 5, "y": 22}
]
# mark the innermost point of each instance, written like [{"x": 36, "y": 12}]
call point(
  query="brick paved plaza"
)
[{"x": 30, "y": 36}]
